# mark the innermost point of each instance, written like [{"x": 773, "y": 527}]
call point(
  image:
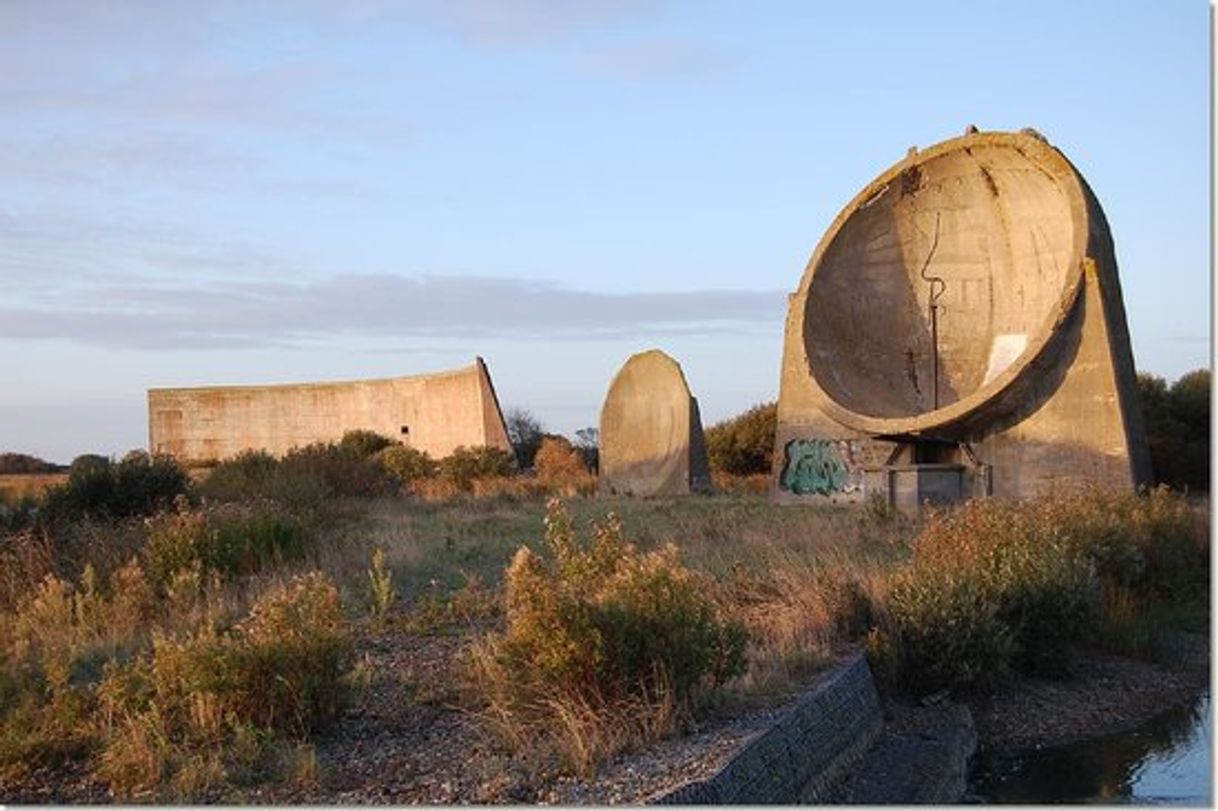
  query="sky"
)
[{"x": 260, "y": 192}]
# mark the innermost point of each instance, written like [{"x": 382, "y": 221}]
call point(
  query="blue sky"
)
[{"x": 207, "y": 193}]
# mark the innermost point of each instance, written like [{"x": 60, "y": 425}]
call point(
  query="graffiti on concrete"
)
[{"x": 814, "y": 466}]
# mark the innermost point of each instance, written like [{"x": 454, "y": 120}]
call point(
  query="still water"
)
[{"x": 1167, "y": 761}]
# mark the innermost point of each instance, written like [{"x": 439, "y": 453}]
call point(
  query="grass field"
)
[
  {"x": 22, "y": 485},
  {"x": 202, "y": 650}
]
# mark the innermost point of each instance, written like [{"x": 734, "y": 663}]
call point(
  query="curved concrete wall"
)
[
  {"x": 651, "y": 439},
  {"x": 434, "y": 413}
]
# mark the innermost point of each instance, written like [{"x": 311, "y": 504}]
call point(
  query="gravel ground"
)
[
  {"x": 1101, "y": 694},
  {"x": 408, "y": 742},
  {"x": 405, "y": 741}
]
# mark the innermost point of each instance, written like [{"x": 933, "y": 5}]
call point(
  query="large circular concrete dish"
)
[{"x": 936, "y": 289}]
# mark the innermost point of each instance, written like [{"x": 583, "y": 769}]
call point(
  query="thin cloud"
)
[
  {"x": 143, "y": 314},
  {"x": 46, "y": 250}
]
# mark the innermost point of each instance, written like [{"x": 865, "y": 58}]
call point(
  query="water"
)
[{"x": 1167, "y": 761}]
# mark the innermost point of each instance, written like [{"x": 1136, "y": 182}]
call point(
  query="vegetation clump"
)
[
  {"x": 158, "y": 698},
  {"x": 228, "y": 540},
  {"x": 997, "y": 587},
  {"x": 561, "y": 468},
  {"x": 464, "y": 465},
  {"x": 1177, "y": 421},
  {"x": 218, "y": 698},
  {"x": 98, "y": 488},
  {"x": 744, "y": 444},
  {"x": 605, "y": 645},
  {"x": 307, "y": 476},
  {"x": 408, "y": 464}
]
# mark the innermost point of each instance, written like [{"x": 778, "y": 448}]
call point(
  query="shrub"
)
[
  {"x": 598, "y": 626},
  {"x": 342, "y": 471},
  {"x": 248, "y": 475},
  {"x": 561, "y": 468},
  {"x": 744, "y": 444},
  {"x": 280, "y": 668},
  {"x": 52, "y": 646},
  {"x": 214, "y": 699},
  {"x": 87, "y": 463},
  {"x": 295, "y": 651},
  {"x": 229, "y": 540},
  {"x": 1177, "y": 421},
  {"x": 947, "y": 633},
  {"x": 464, "y": 465},
  {"x": 996, "y": 586},
  {"x": 364, "y": 443},
  {"x": 993, "y": 586},
  {"x": 438, "y": 609},
  {"x": 139, "y": 484},
  {"x": 408, "y": 464}
]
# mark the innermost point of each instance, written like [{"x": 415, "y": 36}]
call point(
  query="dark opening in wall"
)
[{"x": 405, "y": 430}]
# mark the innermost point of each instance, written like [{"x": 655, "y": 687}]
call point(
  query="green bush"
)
[
  {"x": 744, "y": 444},
  {"x": 139, "y": 484},
  {"x": 993, "y": 586},
  {"x": 945, "y": 632},
  {"x": 342, "y": 471},
  {"x": 998, "y": 586},
  {"x": 220, "y": 697},
  {"x": 364, "y": 443},
  {"x": 280, "y": 668},
  {"x": 603, "y": 622},
  {"x": 305, "y": 477},
  {"x": 247, "y": 476},
  {"x": 229, "y": 540},
  {"x": 464, "y": 465},
  {"x": 1177, "y": 421},
  {"x": 408, "y": 464}
]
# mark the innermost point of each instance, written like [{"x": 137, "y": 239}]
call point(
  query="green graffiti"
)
[{"x": 813, "y": 466}]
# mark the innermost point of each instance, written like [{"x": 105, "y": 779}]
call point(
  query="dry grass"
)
[
  {"x": 28, "y": 485},
  {"x": 800, "y": 578},
  {"x": 805, "y": 581},
  {"x": 754, "y": 484}
]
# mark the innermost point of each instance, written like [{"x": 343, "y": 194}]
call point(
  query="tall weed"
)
[{"x": 598, "y": 625}]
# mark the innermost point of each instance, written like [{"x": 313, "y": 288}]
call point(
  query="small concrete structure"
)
[
  {"x": 960, "y": 326},
  {"x": 651, "y": 439},
  {"x": 433, "y": 412}
]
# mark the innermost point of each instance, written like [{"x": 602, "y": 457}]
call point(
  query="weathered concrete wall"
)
[
  {"x": 803, "y": 756},
  {"x": 651, "y": 440},
  {"x": 1035, "y": 377},
  {"x": 434, "y": 413}
]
